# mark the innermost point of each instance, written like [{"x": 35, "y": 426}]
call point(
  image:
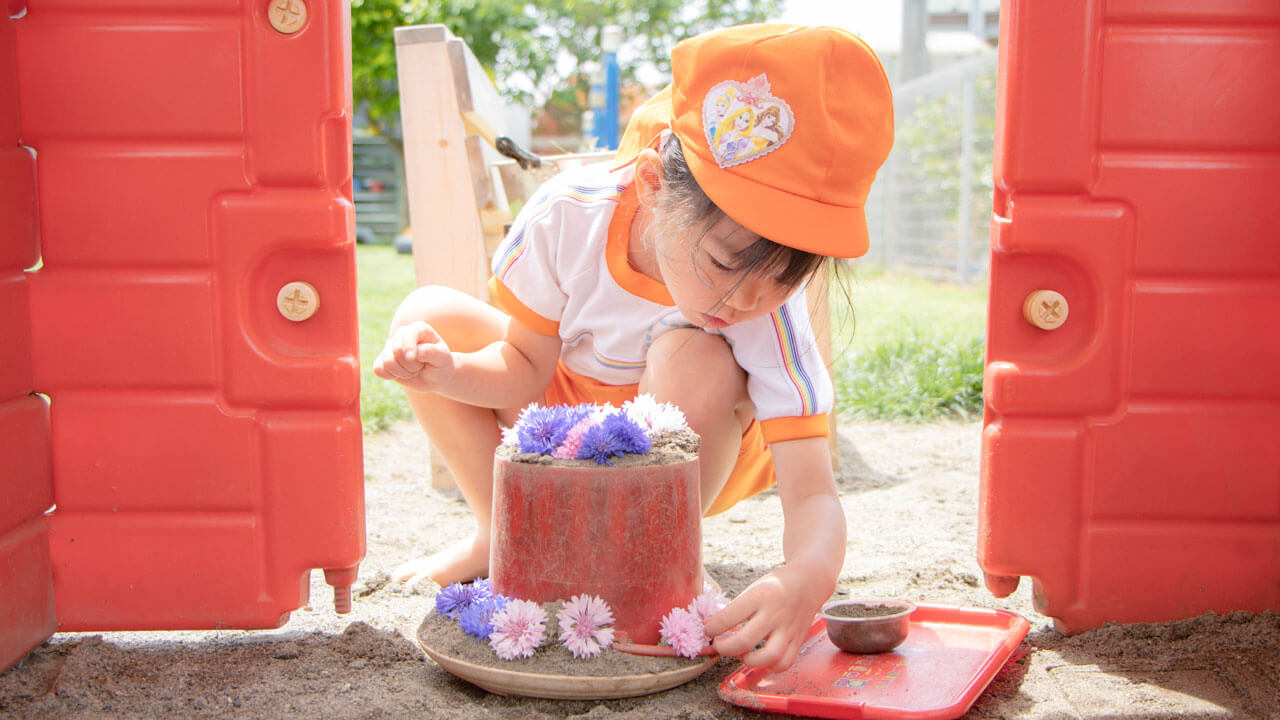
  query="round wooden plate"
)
[{"x": 564, "y": 687}]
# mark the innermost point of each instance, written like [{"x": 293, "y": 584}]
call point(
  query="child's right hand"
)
[{"x": 415, "y": 356}]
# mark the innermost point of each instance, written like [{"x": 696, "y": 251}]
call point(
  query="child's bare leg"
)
[
  {"x": 464, "y": 435},
  {"x": 697, "y": 372}
]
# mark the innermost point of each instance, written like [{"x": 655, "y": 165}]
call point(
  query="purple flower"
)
[
  {"x": 683, "y": 631},
  {"x": 477, "y": 618},
  {"x": 597, "y": 445},
  {"x": 582, "y": 622},
  {"x": 615, "y": 435},
  {"x": 518, "y": 629},
  {"x": 628, "y": 435},
  {"x": 540, "y": 430},
  {"x": 455, "y": 598}
]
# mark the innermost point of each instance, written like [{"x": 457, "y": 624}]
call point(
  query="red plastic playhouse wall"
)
[
  {"x": 188, "y": 161},
  {"x": 26, "y": 485},
  {"x": 1131, "y": 458}
]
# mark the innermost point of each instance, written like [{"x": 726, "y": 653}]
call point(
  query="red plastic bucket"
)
[{"x": 631, "y": 535}]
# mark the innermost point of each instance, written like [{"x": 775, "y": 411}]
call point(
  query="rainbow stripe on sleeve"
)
[
  {"x": 784, "y": 330},
  {"x": 585, "y": 195},
  {"x": 604, "y": 360}
]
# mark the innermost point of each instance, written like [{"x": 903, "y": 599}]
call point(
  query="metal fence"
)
[{"x": 929, "y": 211}]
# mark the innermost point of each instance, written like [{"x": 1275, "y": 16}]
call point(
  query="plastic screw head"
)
[
  {"x": 298, "y": 301},
  {"x": 287, "y": 16},
  {"x": 1046, "y": 309}
]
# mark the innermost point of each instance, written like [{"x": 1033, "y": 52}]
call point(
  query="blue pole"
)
[
  {"x": 610, "y": 41},
  {"x": 608, "y": 131}
]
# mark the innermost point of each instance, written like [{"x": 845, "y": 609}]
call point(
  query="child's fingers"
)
[
  {"x": 735, "y": 613},
  {"x": 739, "y": 639},
  {"x": 777, "y": 653},
  {"x": 389, "y": 367},
  {"x": 432, "y": 354}
]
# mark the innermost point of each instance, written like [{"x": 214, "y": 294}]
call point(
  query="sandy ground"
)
[{"x": 911, "y": 497}]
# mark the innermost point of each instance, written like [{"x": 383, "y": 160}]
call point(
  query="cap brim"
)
[{"x": 787, "y": 219}]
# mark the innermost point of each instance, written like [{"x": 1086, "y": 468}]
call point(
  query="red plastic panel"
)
[
  {"x": 120, "y": 319},
  {"x": 79, "y": 195},
  {"x": 1130, "y": 457},
  {"x": 1064, "y": 61},
  {"x": 1193, "y": 190},
  {"x": 190, "y": 161},
  {"x": 183, "y": 76},
  {"x": 26, "y": 590},
  {"x": 1202, "y": 105}
]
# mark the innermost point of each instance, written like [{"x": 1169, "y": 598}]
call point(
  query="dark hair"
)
[{"x": 689, "y": 204}]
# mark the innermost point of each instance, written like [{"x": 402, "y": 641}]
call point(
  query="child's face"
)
[{"x": 698, "y": 270}]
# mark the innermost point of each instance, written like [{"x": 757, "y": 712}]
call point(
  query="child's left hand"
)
[{"x": 777, "y": 609}]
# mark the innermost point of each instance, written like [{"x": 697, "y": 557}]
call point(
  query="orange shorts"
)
[{"x": 753, "y": 472}]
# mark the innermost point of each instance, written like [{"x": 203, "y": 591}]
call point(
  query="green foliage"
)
[
  {"x": 520, "y": 44},
  {"x": 383, "y": 280},
  {"x": 500, "y": 33},
  {"x": 917, "y": 353}
]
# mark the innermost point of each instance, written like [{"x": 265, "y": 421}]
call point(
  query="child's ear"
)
[{"x": 649, "y": 179}]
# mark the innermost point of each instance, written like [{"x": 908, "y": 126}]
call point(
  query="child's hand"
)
[
  {"x": 415, "y": 356},
  {"x": 777, "y": 609}
]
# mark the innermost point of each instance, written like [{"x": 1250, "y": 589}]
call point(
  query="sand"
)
[{"x": 911, "y": 496}]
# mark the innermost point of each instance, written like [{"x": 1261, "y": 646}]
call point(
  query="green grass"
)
[
  {"x": 916, "y": 354},
  {"x": 908, "y": 349},
  {"x": 383, "y": 280}
]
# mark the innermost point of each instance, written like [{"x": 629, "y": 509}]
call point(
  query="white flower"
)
[
  {"x": 653, "y": 416},
  {"x": 511, "y": 436}
]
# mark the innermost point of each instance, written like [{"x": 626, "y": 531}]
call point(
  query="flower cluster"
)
[
  {"x": 593, "y": 432},
  {"x": 682, "y": 628},
  {"x": 515, "y": 628}
]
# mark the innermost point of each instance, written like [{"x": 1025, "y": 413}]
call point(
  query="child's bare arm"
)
[
  {"x": 511, "y": 372},
  {"x": 779, "y": 608},
  {"x": 468, "y": 352}
]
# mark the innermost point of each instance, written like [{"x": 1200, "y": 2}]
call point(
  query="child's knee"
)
[{"x": 695, "y": 370}]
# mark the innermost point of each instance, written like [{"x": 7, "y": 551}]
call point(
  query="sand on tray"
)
[{"x": 910, "y": 493}]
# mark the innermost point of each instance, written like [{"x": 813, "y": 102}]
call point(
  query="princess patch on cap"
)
[{"x": 744, "y": 121}]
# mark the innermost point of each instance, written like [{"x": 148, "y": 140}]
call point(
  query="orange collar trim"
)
[{"x": 617, "y": 246}]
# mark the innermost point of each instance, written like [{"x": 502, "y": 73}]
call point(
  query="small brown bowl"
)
[{"x": 867, "y": 626}]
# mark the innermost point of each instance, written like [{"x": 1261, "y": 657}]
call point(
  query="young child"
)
[{"x": 678, "y": 272}]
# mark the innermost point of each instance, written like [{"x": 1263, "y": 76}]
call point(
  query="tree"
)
[
  {"x": 492, "y": 28},
  {"x": 524, "y": 45}
]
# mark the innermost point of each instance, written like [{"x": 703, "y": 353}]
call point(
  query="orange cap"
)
[{"x": 783, "y": 126}]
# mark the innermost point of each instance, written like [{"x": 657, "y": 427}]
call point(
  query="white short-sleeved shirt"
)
[{"x": 563, "y": 271}]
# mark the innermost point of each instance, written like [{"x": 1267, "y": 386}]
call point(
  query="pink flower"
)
[
  {"x": 682, "y": 630},
  {"x": 568, "y": 449},
  {"x": 710, "y": 602},
  {"x": 581, "y": 625},
  {"x": 518, "y": 629}
]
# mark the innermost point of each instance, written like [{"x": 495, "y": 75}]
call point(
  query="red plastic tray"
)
[{"x": 950, "y": 655}]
